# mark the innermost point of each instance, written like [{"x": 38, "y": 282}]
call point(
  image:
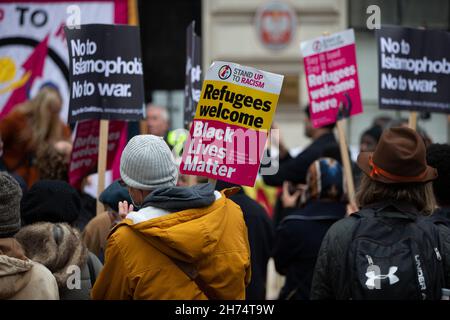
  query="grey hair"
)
[{"x": 164, "y": 112}]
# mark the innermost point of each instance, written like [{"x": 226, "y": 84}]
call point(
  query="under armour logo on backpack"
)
[{"x": 374, "y": 276}]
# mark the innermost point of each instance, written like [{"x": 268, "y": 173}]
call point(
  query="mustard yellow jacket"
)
[{"x": 213, "y": 239}]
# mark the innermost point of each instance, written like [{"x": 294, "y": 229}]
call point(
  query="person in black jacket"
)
[
  {"x": 260, "y": 238},
  {"x": 299, "y": 235},
  {"x": 396, "y": 190},
  {"x": 294, "y": 169}
]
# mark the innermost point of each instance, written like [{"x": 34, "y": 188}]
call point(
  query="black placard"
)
[
  {"x": 414, "y": 69},
  {"x": 193, "y": 83},
  {"x": 106, "y": 74}
]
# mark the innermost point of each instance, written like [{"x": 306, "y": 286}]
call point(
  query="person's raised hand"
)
[
  {"x": 124, "y": 209},
  {"x": 290, "y": 200}
]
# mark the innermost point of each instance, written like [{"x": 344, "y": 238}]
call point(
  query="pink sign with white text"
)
[
  {"x": 83, "y": 160},
  {"x": 231, "y": 124},
  {"x": 234, "y": 158},
  {"x": 332, "y": 77}
]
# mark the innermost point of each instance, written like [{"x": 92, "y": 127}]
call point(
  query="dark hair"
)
[
  {"x": 374, "y": 132},
  {"x": 50, "y": 201},
  {"x": 381, "y": 121},
  {"x": 308, "y": 114},
  {"x": 418, "y": 194},
  {"x": 332, "y": 151},
  {"x": 438, "y": 156}
]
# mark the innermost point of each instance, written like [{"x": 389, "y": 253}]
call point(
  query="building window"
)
[{"x": 430, "y": 14}]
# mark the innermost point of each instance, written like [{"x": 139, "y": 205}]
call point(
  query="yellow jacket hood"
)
[
  {"x": 212, "y": 238},
  {"x": 188, "y": 235}
]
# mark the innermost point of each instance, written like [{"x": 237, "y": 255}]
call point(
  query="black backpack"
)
[{"x": 394, "y": 256}]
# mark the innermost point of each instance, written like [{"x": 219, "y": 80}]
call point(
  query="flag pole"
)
[{"x": 101, "y": 164}]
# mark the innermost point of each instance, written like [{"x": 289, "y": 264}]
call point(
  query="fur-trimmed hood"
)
[
  {"x": 14, "y": 267},
  {"x": 55, "y": 245}
]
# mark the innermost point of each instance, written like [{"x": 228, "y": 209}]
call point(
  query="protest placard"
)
[
  {"x": 414, "y": 69},
  {"x": 193, "y": 83},
  {"x": 83, "y": 160},
  {"x": 331, "y": 77},
  {"x": 106, "y": 73},
  {"x": 333, "y": 88},
  {"x": 231, "y": 124},
  {"x": 106, "y": 79}
]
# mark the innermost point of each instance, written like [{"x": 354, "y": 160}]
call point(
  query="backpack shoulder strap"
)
[
  {"x": 430, "y": 228},
  {"x": 191, "y": 271},
  {"x": 343, "y": 286},
  {"x": 438, "y": 220}
]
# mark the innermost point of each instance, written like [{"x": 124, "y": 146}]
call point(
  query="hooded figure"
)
[
  {"x": 183, "y": 242},
  {"x": 58, "y": 246},
  {"x": 20, "y": 277},
  {"x": 300, "y": 233}
]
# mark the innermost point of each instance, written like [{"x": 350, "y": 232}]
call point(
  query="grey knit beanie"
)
[
  {"x": 10, "y": 195},
  {"x": 147, "y": 163}
]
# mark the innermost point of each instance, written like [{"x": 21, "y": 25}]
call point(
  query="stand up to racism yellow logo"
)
[{"x": 231, "y": 123}]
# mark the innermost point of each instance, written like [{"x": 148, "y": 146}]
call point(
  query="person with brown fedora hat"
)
[
  {"x": 400, "y": 157},
  {"x": 388, "y": 249}
]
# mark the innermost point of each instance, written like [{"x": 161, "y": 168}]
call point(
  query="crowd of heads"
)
[
  {"x": 417, "y": 168},
  {"x": 44, "y": 213}
]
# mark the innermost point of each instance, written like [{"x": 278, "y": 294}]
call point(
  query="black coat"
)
[
  {"x": 330, "y": 280},
  {"x": 87, "y": 211},
  {"x": 260, "y": 238},
  {"x": 297, "y": 243},
  {"x": 294, "y": 169}
]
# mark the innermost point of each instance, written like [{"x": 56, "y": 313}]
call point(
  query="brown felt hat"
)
[{"x": 400, "y": 157}]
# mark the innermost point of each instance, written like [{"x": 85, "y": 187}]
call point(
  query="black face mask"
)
[{"x": 135, "y": 206}]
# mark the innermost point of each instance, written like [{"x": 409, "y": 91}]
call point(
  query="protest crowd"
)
[
  {"x": 173, "y": 224},
  {"x": 161, "y": 239}
]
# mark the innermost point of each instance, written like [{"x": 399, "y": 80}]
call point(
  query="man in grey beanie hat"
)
[
  {"x": 183, "y": 242},
  {"x": 147, "y": 164},
  {"x": 10, "y": 195}
]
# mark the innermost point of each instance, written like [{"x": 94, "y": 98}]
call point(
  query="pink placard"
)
[
  {"x": 332, "y": 77},
  {"x": 83, "y": 161},
  {"x": 222, "y": 151}
]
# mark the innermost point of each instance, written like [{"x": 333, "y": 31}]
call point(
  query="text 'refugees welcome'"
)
[{"x": 243, "y": 115}]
